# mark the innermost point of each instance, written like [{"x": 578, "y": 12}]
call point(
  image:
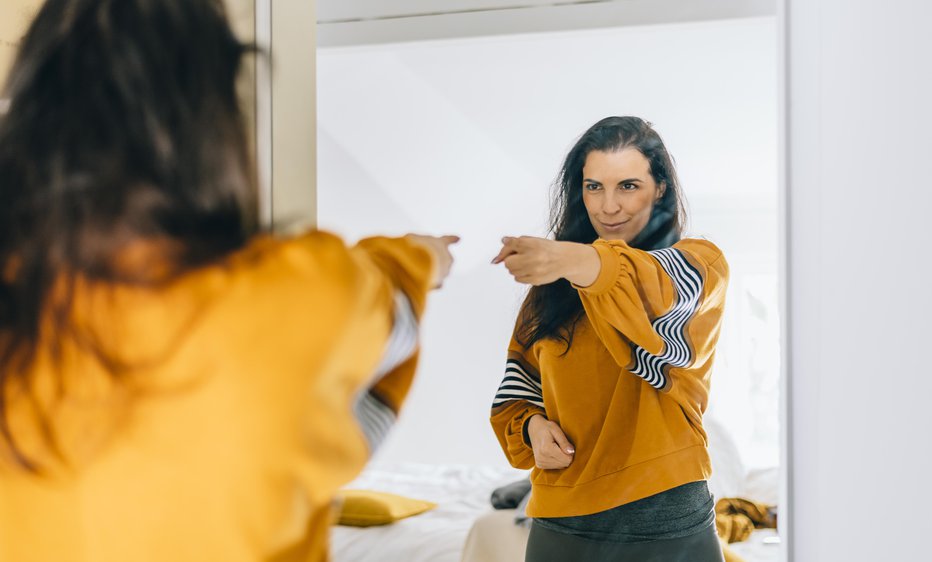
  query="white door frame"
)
[{"x": 286, "y": 114}]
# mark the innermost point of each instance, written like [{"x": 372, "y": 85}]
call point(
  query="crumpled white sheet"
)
[
  {"x": 760, "y": 485},
  {"x": 461, "y": 493}
]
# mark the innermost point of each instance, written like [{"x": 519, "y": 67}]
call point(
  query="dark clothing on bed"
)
[{"x": 510, "y": 495}]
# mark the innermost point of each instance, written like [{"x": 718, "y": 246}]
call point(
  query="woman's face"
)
[{"x": 619, "y": 192}]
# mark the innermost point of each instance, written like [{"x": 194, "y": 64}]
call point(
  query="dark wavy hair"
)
[
  {"x": 552, "y": 310},
  {"x": 123, "y": 126}
]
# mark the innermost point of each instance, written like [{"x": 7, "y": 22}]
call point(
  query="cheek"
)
[
  {"x": 588, "y": 202},
  {"x": 644, "y": 204}
]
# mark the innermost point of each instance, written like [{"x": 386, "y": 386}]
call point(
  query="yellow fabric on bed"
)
[
  {"x": 737, "y": 518},
  {"x": 364, "y": 508}
]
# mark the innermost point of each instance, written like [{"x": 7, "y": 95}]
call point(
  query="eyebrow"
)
[{"x": 622, "y": 182}]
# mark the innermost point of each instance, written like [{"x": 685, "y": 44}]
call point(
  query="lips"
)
[{"x": 612, "y": 226}]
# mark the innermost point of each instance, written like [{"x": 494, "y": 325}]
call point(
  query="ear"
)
[{"x": 661, "y": 190}]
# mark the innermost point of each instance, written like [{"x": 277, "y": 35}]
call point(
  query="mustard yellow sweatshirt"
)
[
  {"x": 631, "y": 391},
  {"x": 258, "y": 387}
]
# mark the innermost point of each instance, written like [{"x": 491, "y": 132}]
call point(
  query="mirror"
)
[
  {"x": 465, "y": 134},
  {"x": 457, "y": 122}
]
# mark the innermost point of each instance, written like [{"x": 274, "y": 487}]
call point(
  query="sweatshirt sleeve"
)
[
  {"x": 642, "y": 303},
  {"x": 344, "y": 322},
  {"x": 378, "y": 403},
  {"x": 519, "y": 396}
]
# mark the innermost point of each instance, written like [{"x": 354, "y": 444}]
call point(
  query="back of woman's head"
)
[
  {"x": 124, "y": 123},
  {"x": 551, "y": 311},
  {"x": 123, "y": 126}
]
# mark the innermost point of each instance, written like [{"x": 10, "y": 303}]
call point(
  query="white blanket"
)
[{"x": 461, "y": 494}]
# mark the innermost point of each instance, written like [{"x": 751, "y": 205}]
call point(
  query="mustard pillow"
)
[{"x": 364, "y": 508}]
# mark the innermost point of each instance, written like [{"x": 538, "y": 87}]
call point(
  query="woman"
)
[
  {"x": 174, "y": 384},
  {"x": 608, "y": 370}
]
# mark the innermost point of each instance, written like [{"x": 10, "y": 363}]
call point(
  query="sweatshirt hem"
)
[{"x": 624, "y": 486}]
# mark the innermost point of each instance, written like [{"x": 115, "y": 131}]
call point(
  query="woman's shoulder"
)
[
  {"x": 314, "y": 269},
  {"x": 701, "y": 248},
  {"x": 310, "y": 245},
  {"x": 705, "y": 253},
  {"x": 314, "y": 254}
]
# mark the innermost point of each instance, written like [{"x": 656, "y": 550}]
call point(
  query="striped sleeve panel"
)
[
  {"x": 520, "y": 383},
  {"x": 374, "y": 416},
  {"x": 671, "y": 326}
]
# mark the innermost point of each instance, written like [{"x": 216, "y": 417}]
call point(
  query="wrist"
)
[
  {"x": 581, "y": 263},
  {"x": 526, "y": 428}
]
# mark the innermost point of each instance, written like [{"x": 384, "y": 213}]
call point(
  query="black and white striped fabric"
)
[
  {"x": 518, "y": 385},
  {"x": 374, "y": 416},
  {"x": 671, "y": 326},
  {"x": 402, "y": 342}
]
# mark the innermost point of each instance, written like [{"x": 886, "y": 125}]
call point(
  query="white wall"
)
[
  {"x": 859, "y": 203},
  {"x": 465, "y": 137}
]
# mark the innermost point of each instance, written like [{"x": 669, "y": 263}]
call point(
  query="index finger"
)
[
  {"x": 508, "y": 248},
  {"x": 554, "y": 452},
  {"x": 502, "y": 254}
]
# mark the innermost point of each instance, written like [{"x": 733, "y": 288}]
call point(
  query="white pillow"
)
[
  {"x": 728, "y": 470},
  {"x": 763, "y": 485}
]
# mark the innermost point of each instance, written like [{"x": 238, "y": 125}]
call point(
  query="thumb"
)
[{"x": 561, "y": 439}]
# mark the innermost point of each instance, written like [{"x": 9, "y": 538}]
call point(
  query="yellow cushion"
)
[{"x": 364, "y": 508}]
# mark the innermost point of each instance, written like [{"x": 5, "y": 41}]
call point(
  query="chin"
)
[{"x": 614, "y": 237}]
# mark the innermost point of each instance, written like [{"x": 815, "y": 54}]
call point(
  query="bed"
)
[
  {"x": 461, "y": 493},
  {"x": 465, "y": 528}
]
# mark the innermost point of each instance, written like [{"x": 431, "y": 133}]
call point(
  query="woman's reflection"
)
[{"x": 608, "y": 369}]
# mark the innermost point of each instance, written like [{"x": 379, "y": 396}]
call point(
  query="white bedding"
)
[
  {"x": 760, "y": 547},
  {"x": 461, "y": 492},
  {"x": 760, "y": 485}
]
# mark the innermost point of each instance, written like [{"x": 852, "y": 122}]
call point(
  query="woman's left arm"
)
[
  {"x": 639, "y": 303},
  {"x": 538, "y": 261}
]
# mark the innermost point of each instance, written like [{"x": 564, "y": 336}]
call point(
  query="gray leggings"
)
[{"x": 546, "y": 545}]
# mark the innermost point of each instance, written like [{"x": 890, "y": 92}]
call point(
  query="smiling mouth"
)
[{"x": 613, "y": 225}]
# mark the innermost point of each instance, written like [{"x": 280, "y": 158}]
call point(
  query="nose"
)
[{"x": 611, "y": 203}]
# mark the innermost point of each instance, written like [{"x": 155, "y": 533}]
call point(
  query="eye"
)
[
  {"x": 629, "y": 186},
  {"x": 591, "y": 186}
]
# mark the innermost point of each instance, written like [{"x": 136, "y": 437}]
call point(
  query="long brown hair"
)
[
  {"x": 123, "y": 125},
  {"x": 551, "y": 311}
]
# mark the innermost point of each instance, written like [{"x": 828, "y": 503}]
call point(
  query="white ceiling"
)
[
  {"x": 343, "y": 10},
  {"x": 358, "y": 22}
]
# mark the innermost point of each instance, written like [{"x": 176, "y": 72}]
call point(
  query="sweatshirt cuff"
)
[
  {"x": 527, "y": 420},
  {"x": 518, "y": 443},
  {"x": 611, "y": 269}
]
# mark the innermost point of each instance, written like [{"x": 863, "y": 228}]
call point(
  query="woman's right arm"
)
[
  {"x": 520, "y": 421},
  {"x": 343, "y": 345}
]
